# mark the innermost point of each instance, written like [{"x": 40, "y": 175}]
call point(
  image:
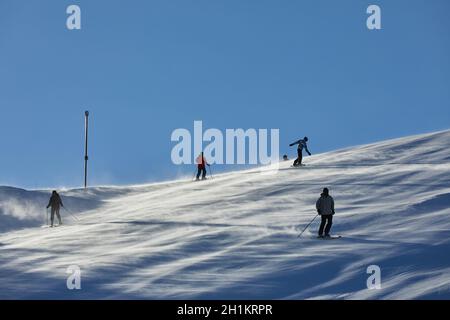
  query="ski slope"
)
[{"x": 235, "y": 237}]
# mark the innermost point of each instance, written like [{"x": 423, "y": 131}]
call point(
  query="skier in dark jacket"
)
[
  {"x": 301, "y": 145},
  {"x": 56, "y": 203},
  {"x": 325, "y": 208},
  {"x": 201, "y": 166}
]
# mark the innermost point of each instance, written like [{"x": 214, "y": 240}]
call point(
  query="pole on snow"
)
[
  {"x": 86, "y": 125},
  {"x": 210, "y": 172},
  {"x": 72, "y": 214},
  {"x": 308, "y": 225}
]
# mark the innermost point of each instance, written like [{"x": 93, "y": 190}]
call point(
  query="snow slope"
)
[{"x": 235, "y": 237}]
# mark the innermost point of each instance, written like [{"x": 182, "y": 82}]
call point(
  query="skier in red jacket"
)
[{"x": 201, "y": 165}]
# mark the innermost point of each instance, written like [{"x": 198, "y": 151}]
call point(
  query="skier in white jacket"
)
[{"x": 325, "y": 208}]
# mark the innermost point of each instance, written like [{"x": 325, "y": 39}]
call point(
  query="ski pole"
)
[
  {"x": 47, "y": 216},
  {"x": 73, "y": 215},
  {"x": 307, "y": 226},
  {"x": 210, "y": 172}
]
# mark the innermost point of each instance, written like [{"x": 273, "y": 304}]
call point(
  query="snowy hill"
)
[{"x": 236, "y": 236}]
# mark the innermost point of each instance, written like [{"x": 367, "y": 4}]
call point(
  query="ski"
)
[
  {"x": 298, "y": 166},
  {"x": 55, "y": 226},
  {"x": 329, "y": 238}
]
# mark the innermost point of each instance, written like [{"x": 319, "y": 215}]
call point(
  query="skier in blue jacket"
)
[{"x": 301, "y": 145}]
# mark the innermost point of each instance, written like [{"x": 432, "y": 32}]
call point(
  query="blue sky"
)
[{"x": 145, "y": 68}]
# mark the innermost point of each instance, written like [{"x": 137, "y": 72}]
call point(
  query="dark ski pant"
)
[
  {"x": 200, "y": 170},
  {"x": 299, "y": 159},
  {"x": 55, "y": 210},
  {"x": 328, "y": 220}
]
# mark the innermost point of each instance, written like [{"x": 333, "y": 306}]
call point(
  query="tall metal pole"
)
[{"x": 86, "y": 125}]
